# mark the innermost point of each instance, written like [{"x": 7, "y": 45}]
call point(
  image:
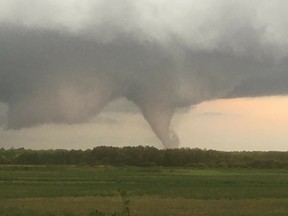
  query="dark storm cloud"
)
[{"x": 64, "y": 62}]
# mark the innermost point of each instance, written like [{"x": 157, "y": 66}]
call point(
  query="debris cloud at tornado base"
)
[{"x": 64, "y": 62}]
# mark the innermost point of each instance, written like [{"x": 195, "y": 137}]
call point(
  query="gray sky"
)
[{"x": 61, "y": 63}]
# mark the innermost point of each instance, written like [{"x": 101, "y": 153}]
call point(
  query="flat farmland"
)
[{"x": 80, "y": 190}]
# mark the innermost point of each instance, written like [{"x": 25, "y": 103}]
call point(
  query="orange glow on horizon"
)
[
  {"x": 267, "y": 108},
  {"x": 242, "y": 123}
]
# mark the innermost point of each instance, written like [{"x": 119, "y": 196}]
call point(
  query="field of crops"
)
[{"x": 75, "y": 191}]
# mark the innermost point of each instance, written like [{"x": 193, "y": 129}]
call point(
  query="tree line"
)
[{"x": 146, "y": 156}]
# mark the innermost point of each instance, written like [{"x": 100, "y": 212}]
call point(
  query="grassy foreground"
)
[
  {"x": 71, "y": 191},
  {"x": 145, "y": 206}
]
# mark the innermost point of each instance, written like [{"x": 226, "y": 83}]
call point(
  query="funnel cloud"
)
[{"x": 64, "y": 62}]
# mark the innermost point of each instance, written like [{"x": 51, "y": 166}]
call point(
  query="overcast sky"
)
[{"x": 63, "y": 62}]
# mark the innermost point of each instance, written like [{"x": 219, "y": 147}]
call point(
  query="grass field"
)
[{"x": 68, "y": 190}]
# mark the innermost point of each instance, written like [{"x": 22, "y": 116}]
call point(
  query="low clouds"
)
[{"x": 65, "y": 61}]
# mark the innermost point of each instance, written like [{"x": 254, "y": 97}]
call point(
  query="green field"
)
[{"x": 71, "y": 190}]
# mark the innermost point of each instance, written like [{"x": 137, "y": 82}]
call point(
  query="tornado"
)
[{"x": 64, "y": 62}]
